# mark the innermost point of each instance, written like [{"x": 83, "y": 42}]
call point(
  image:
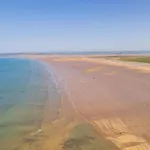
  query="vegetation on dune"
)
[
  {"x": 84, "y": 137},
  {"x": 144, "y": 59}
]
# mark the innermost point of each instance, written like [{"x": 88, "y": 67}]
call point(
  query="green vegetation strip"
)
[
  {"x": 142, "y": 59},
  {"x": 136, "y": 59},
  {"x": 84, "y": 137}
]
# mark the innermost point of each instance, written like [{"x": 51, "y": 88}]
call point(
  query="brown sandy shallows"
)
[{"x": 113, "y": 98}]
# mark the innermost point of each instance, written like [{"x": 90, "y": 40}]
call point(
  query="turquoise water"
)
[{"x": 25, "y": 86}]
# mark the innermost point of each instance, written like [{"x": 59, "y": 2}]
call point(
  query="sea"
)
[{"x": 25, "y": 87}]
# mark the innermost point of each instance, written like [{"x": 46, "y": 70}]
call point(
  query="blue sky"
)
[{"x": 74, "y": 25}]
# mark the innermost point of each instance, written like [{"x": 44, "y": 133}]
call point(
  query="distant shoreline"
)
[{"x": 106, "y": 53}]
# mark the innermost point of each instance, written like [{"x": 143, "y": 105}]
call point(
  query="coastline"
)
[
  {"x": 72, "y": 117},
  {"x": 70, "y": 120},
  {"x": 78, "y": 74},
  {"x": 118, "y": 115}
]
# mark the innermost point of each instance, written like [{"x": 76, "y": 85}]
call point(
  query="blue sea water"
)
[{"x": 25, "y": 86}]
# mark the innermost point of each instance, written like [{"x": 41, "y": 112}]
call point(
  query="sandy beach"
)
[{"x": 114, "y": 98}]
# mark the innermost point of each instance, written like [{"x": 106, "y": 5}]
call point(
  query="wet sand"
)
[{"x": 114, "y": 98}]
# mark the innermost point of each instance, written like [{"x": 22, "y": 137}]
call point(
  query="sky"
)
[{"x": 74, "y": 25}]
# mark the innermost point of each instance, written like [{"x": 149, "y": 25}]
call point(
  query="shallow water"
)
[{"x": 25, "y": 86}]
